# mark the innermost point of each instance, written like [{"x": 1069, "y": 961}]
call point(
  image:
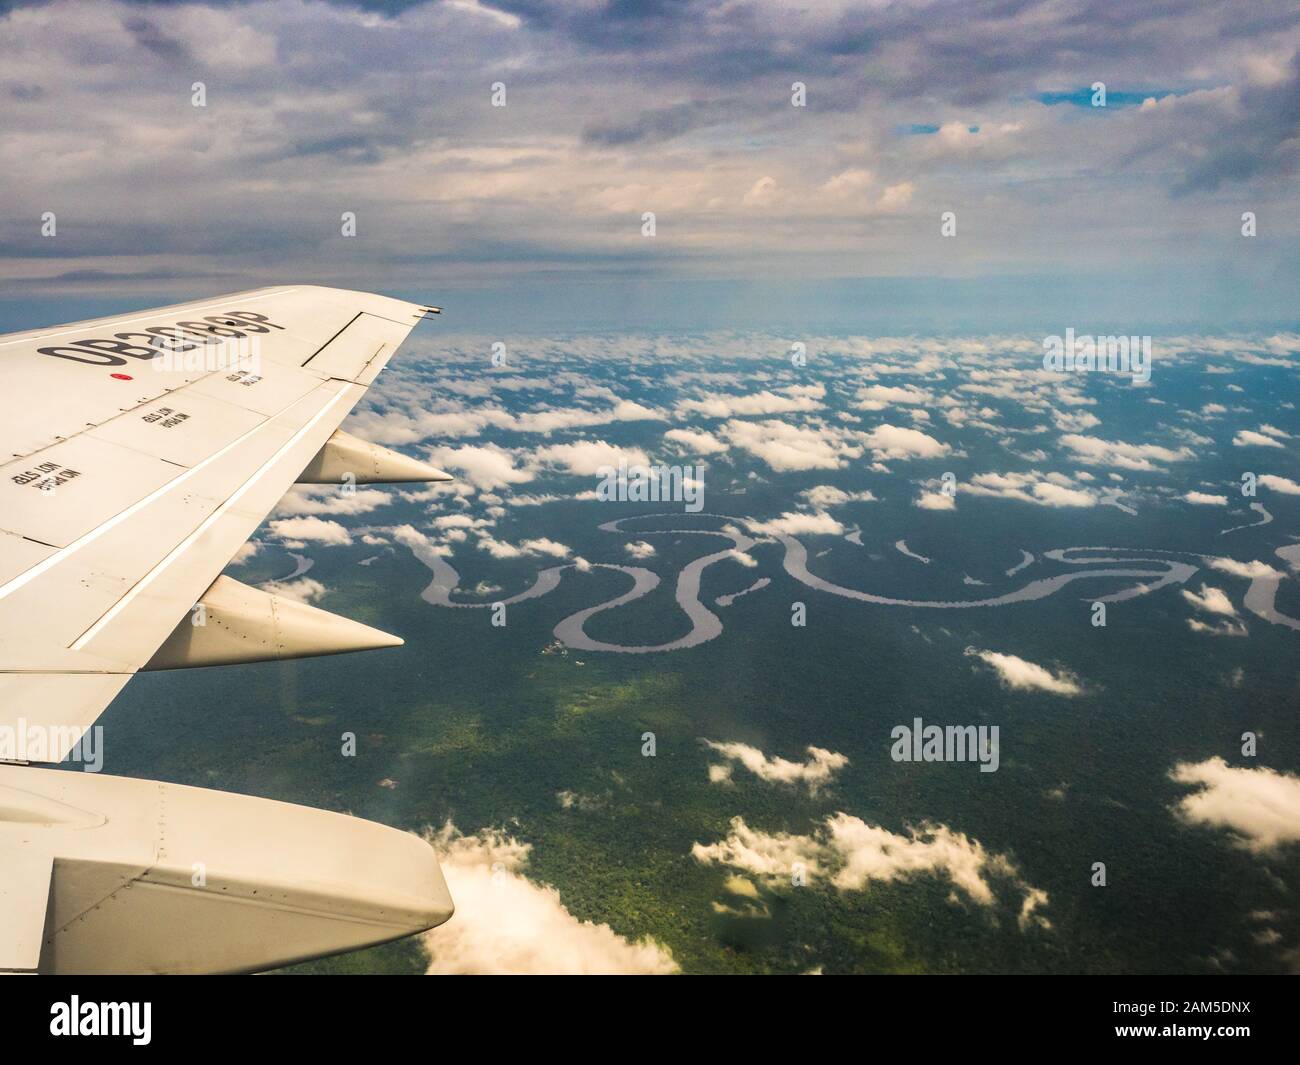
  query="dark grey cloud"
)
[
  {"x": 663, "y": 123},
  {"x": 358, "y": 148},
  {"x": 101, "y": 277},
  {"x": 1263, "y": 140},
  {"x": 149, "y": 36}
]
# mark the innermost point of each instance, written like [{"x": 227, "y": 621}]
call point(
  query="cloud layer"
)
[{"x": 606, "y": 112}]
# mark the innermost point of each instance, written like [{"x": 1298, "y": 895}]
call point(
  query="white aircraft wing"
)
[{"x": 139, "y": 453}]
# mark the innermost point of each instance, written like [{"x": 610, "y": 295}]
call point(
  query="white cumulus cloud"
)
[
  {"x": 1279, "y": 484},
  {"x": 506, "y": 924},
  {"x": 1248, "y": 437},
  {"x": 1249, "y": 570},
  {"x": 587, "y": 458},
  {"x": 813, "y": 773},
  {"x": 1259, "y": 806},
  {"x": 899, "y": 442},
  {"x": 851, "y": 853},
  {"x": 797, "y": 522},
  {"x": 1019, "y": 675},
  {"x": 936, "y": 501},
  {"x": 310, "y": 529},
  {"x": 1211, "y": 600},
  {"x": 488, "y": 466}
]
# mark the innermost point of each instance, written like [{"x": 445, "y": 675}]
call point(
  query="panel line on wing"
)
[
  {"x": 206, "y": 524},
  {"x": 94, "y": 534},
  {"x": 334, "y": 337},
  {"x": 351, "y": 381}
]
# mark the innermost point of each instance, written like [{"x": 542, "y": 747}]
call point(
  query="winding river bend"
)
[{"x": 1148, "y": 570}]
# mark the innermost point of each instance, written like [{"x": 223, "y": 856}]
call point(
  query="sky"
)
[{"x": 500, "y": 160}]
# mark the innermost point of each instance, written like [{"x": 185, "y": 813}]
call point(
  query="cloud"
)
[
  {"x": 1259, "y": 806},
  {"x": 544, "y": 546},
  {"x": 1204, "y": 499},
  {"x": 695, "y": 442},
  {"x": 486, "y": 467},
  {"x": 640, "y": 549},
  {"x": 814, "y": 773},
  {"x": 506, "y": 924},
  {"x": 878, "y": 397},
  {"x": 716, "y": 405},
  {"x": 771, "y": 856},
  {"x": 331, "y": 499},
  {"x": 761, "y": 193},
  {"x": 799, "y": 523},
  {"x": 411, "y": 537},
  {"x": 482, "y": 10},
  {"x": 548, "y": 420},
  {"x": 1019, "y": 675},
  {"x": 681, "y": 118},
  {"x": 655, "y": 125},
  {"x": 936, "y": 501},
  {"x": 302, "y": 590},
  {"x": 526, "y": 548},
  {"x": 744, "y": 902},
  {"x": 1055, "y": 495},
  {"x": 1279, "y": 484},
  {"x": 824, "y": 495},
  {"x": 1227, "y": 627},
  {"x": 1211, "y": 600},
  {"x": 1052, "y": 490},
  {"x": 895, "y": 442},
  {"x": 247, "y": 550},
  {"x": 527, "y": 500},
  {"x": 310, "y": 530},
  {"x": 1249, "y": 570},
  {"x": 850, "y": 854},
  {"x": 1124, "y": 456},
  {"x": 587, "y": 458},
  {"x": 459, "y": 521},
  {"x": 788, "y": 447},
  {"x": 1254, "y": 134},
  {"x": 1247, "y": 437}
]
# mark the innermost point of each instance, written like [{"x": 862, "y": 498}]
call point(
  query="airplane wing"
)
[
  {"x": 138, "y": 454},
  {"x": 142, "y": 451}
]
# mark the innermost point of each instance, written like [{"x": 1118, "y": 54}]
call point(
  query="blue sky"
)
[{"x": 766, "y": 214}]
